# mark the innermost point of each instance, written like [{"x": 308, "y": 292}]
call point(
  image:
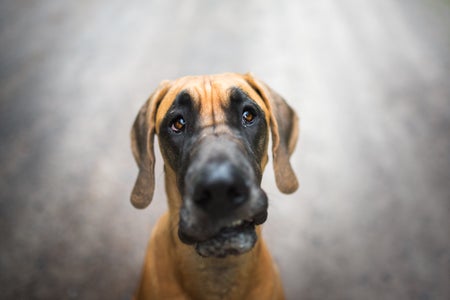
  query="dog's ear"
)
[
  {"x": 284, "y": 126},
  {"x": 142, "y": 136}
]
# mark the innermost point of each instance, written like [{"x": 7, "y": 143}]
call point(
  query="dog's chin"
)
[{"x": 233, "y": 240}]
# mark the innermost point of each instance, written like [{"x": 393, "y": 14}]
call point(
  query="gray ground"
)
[{"x": 370, "y": 79}]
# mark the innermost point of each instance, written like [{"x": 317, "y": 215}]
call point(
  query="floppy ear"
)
[
  {"x": 142, "y": 136},
  {"x": 285, "y": 128}
]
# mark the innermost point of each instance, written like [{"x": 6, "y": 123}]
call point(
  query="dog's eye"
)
[
  {"x": 248, "y": 117},
  {"x": 178, "y": 124}
]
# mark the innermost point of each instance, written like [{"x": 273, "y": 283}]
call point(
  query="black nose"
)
[{"x": 220, "y": 188}]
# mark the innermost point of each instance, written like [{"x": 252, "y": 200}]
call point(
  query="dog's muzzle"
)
[{"x": 222, "y": 200}]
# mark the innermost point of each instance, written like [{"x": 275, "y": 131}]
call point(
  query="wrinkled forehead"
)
[{"x": 210, "y": 94}]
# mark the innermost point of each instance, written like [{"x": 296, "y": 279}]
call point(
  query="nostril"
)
[
  {"x": 236, "y": 195},
  {"x": 202, "y": 197},
  {"x": 220, "y": 195}
]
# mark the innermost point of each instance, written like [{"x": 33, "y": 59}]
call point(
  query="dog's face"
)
[{"x": 213, "y": 134}]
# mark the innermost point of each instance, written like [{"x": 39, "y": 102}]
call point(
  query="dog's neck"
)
[
  {"x": 220, "y": 277},
  {"x": 217, "y": 277}
]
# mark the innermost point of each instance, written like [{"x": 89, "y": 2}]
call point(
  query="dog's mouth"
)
[
  {"x": 233, "y": 240},
  {"x": 237, "y": 238}
]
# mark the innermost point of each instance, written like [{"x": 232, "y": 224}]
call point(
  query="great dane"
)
[{"x": 213, "y": 132}]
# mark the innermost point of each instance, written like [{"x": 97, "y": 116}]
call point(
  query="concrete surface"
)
[{"x": 370, "y": 80}]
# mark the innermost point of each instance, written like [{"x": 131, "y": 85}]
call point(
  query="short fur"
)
[{"x": 173, "y": 269}]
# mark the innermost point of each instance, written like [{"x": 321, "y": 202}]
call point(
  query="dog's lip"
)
[
  {"x": 233, "y": 240},
  {"x": 260, "y": 217},
  {"x": 235, "y": 225}
]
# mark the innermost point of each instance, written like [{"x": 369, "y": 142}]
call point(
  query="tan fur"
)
[{"x": 173, "y": 270}]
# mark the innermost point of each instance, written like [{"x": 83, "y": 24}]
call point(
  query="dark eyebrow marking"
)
[
  {"x": 239, "y": 95},
  {"x": 183, "y": 98},
  {"x": 186, "y": 99}
]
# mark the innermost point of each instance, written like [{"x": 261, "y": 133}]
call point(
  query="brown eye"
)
[
  {"x": 178, "y": 124},
  {"x": 248, "y": 117}
]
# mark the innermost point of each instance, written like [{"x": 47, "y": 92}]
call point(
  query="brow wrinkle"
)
[
  {"x": 211, "y": 99},
  {"x": 213, "y": 113}
]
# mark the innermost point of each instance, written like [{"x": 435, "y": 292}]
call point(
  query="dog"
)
[{"x": 213, "y": 132}]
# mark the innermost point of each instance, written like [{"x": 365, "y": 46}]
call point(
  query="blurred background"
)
[{"x": 369, "y": 79}]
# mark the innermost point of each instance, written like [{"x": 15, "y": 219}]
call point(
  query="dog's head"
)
[{"x": 213, "y": 134}]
